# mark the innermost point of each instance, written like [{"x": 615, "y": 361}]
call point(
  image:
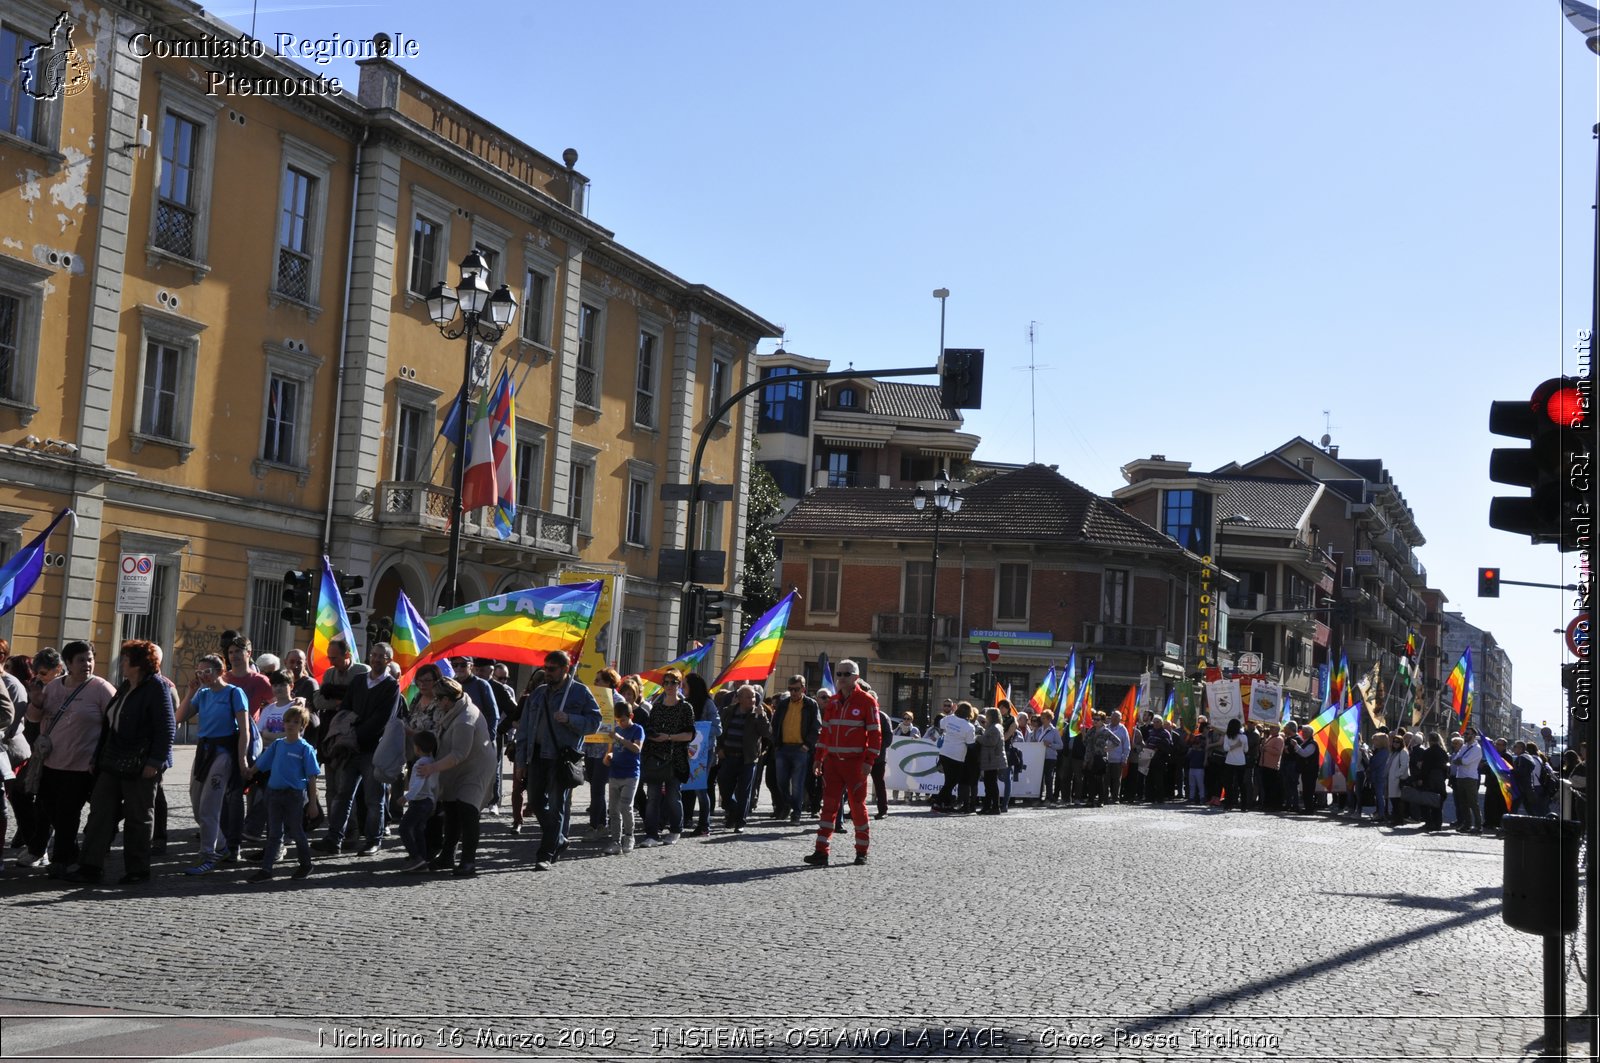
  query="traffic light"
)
[
  {"x": 961, "y": 380},
  {"x": 707, "y": 624},
  {"x": 975, "y": 688},
  {"x": 297, "y": 598},
  {"x": 1488, "y": 583},
  {"x": 349, "y": 586},
  {"x": 1554, "y": 420}
]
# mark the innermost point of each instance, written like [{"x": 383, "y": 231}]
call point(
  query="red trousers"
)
[{"x": 843, "y": 775}]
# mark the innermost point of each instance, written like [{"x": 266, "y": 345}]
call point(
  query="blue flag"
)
[
  {"x": 452, "y": 421},
  {"x": 18, "y": 575}
]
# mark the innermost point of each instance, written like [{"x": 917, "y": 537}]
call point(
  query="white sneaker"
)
[
  {"x": 29, "y": 860},
  {"x": 627, "y": 846},
  {"x": 648, "y": 842},
  {"x": 670, "y": 838}
]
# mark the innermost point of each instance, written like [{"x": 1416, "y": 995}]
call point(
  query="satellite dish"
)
[{"x": 1326, "y": 439}]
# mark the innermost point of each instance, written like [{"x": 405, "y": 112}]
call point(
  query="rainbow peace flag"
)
[
  {"x": 410, "y": 635},
  {"x": 1340, "y": 687},
  {"x": 1170, "y": 711},
  {"x": 1461, "y": 689},
  {"x": 1082, "y": 716},
  {"x": 521, "y": 626},
  {"x": 826, "y": 685},
  {"x": 1066, "y": 692},
  {"x": 1500, "y": 770},
  {"x": 650, "y": 682},
  {"x": 332, "y": 622},
  {"x": 758, "y": 655},
  {"x": 1042, "y": 697}
]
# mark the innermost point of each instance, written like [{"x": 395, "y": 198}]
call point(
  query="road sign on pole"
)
[
  {"x": 991, "y": 652},
  {"x": 1578, "y": 635},
  {"x": 136, "y": 577}
]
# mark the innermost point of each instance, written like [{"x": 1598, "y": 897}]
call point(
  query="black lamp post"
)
[
  {"x": 944, "y": 499},
  {"x": 485, "y": 316}
]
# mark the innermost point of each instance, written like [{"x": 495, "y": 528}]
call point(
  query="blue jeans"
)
[
  {"x": 552, "y": 806},
  {"x": 794, "y": 764},
  {"x": 286, "y": 812},
  {"x": 355, "y": 775},
  {"x": 414, "y": 828},
  {"x": 659, "y": 798}
]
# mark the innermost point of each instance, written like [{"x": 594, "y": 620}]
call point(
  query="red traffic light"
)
[{"x": 1562, "y": 401}]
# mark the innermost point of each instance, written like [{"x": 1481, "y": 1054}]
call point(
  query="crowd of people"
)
[
  {"x": 1403, "y": 775},
  {"x": 281, "y": 755}
]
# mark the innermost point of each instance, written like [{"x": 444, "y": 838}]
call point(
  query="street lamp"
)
[
  {"x": 944, "y": 499},
  {"x": 485, "y": 316}
]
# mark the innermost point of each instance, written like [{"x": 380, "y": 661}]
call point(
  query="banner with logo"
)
[
  {"x": 1224, "y": 702},
  {"x": 604, "y": 643},
  {"x": 1265, "y": 701}
]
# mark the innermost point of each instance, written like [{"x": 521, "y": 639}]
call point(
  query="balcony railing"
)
[
  {"x": 912, "y": 626},
  {"x": 1125, "y": 637},
  {"x": 175, "y": 228},
  {"x": 428, "y": 506}
]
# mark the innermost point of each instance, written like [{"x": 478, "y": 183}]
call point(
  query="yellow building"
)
[{"x": 214, "y": 347}]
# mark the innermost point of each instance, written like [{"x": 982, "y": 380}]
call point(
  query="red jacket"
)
[{"x": 850, "y": 728}]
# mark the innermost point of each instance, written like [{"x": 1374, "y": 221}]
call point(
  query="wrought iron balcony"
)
[
  {"x": 891, "y": 626},
  {"x": 426, "y": 507},
  {"x": 1125, "y": 637}
]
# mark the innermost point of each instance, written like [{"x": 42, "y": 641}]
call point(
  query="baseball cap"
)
[{"x": 847, "y": 668}]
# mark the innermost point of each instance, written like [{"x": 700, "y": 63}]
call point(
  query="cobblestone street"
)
[{"x": 1122, "y": 933}]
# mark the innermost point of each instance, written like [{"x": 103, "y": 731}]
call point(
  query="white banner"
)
[
  {"x": 913, "y": 764},
  {"x": 1266, "y": 702},
  {"x": 1224, "y": 702}
]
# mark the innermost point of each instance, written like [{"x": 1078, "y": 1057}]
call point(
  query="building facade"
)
[
  {"x": 1032, "y": 561},
  {"x": 1493, "y": 711},
  {"x": 214, "y": 346}
]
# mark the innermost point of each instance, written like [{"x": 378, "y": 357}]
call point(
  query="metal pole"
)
[
  {"x": 1555, "y": 1002},
  {"x": 1586, "y": 663},
  {"x": 452, "y": 562},
  {"x": 933, "y": 590}
]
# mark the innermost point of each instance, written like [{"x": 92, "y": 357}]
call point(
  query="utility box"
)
[{"x": 1540, "y": 878}]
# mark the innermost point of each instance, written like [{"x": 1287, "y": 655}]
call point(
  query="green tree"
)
[{"x": 760, "y": 579}]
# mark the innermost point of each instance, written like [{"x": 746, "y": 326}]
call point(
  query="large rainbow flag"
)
[
  {"x": 650, "y": 682},
  {"x": 1066, "y": 702},
  {"x": 1169, "y": 712},
  {"x": 521, "y": 626},
  {"x": 410, "y": 635},
  {"x": 1461, "y": 689},
  {"x": 758, "y": 655},
  {"x": 332, "y": 623}
]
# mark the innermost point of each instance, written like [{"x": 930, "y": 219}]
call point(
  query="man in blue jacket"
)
[{"x": 555, "y": 719}]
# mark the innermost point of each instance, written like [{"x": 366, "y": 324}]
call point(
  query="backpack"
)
[
  {"x": 1549, "y": 785},
  {"x": 340, "y": 741}
]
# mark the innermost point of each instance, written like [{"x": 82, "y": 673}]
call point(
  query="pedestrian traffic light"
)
[
  {"x": 961, "y": 379},
  {"x": 297, "y": 598},
  {"x": 1488, "y": 583},
  {"x": 349, "y": 588},
  {"x": 379, "y": 629},
  {"x": 976, "y": 687},
  {"x": 708, "y": 623},
  {"x": 1555, "y": 465}
]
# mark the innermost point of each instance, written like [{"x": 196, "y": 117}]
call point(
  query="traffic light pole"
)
[
  {"x": 686, "y": 612},
  {"x": 1586, "y": 662}
]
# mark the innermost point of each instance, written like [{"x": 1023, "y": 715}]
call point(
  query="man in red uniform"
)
[{"x": 846, "y": 751}]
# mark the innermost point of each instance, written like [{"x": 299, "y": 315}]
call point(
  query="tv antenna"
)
[
  {"x": 1033, "y": 372},
  {"x": 1327, "y": 428}
]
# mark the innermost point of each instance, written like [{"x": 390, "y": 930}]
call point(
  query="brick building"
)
[{"x": 1032, "y": 561}]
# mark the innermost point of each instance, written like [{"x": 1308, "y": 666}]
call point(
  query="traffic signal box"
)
[
  {"x": 1555, "y": 465},
  {"x": 961, "y": 379},
  {"x": 349, "y": 586},
  {"x": 297, "y": 598},
  {"x": 978, "y": 688},
  {"x": 1488, "y": 583}
]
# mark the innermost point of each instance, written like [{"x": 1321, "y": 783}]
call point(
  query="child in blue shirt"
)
[
  {"x": 422, "y": 797},
  {"x": 292, "y": 763},
  {"x": 627, "y": 739}
]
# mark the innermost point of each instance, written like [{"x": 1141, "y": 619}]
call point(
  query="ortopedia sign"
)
[{"x": 136, "y": 578}]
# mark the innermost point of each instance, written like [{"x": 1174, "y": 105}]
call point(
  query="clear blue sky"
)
[{"x": 1225, "y": 219}]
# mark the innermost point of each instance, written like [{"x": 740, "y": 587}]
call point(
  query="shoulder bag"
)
[{"x": 568, "y": 762}]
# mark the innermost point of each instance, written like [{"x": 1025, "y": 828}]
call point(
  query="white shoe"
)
[
  {"x": 627, "y": 846},
  {"x": 670, "y": 838},
  {"x": 648, "y": 842},
  {"x": 29, "y": 860}
]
